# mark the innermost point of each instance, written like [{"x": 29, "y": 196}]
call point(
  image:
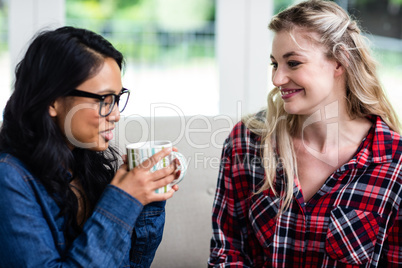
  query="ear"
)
[
  {"x": 339, "y": 69},
  {"x": 53, "y": 108}
]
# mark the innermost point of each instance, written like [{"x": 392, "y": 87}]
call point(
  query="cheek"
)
[{"x": 85, "y": 125}]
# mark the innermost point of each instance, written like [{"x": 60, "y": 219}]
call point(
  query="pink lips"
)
[
  {"x": 107, "y": 135},
  {"x": 288, "y": 93}
]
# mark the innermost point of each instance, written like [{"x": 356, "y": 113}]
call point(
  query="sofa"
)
[{"x": 199, "y": 138}]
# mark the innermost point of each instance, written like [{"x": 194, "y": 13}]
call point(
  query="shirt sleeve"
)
[
  {"x": 228, "y": 244},
  {"x": 147, "y": 234},
  {"x": 29, "y": 240},
  {"x": 392, "y": 252}
]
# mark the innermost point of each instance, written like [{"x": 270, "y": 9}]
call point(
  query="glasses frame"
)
[{"x": 101, "y": 98}]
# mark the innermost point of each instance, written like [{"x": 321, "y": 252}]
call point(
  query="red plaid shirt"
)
[{"x": 354, "y": 220}]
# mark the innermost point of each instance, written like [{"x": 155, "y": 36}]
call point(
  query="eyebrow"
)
[
  {"x": 108, "y": 91},
  {"x": 287, "y": 55}
]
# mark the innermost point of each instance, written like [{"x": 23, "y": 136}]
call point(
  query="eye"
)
[
  {"x": 274, "y": 65},
  {"x": 108, "y": 100},
  {"x": 293, "y": 64}
]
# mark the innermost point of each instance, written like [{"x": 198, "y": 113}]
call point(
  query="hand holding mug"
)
[{"x": 153, "y": 171}]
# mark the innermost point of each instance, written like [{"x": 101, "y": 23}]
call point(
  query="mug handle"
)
[{"x": 182, "y": 167}]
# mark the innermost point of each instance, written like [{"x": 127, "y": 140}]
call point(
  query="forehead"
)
[
  {"x": 106, "y": 80},
  {"x": 298, "y": 40}
]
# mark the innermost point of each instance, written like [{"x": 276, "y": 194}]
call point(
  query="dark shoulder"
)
[
  {"x": 12, "y": 170},
  {"x": 8, "y": 160}
]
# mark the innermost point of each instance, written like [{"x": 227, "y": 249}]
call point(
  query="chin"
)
[
  {"x": 89, "y": 144},
  {"x": 295, "y": 110},
  {"x": 291, "y": 111},
  {"x": 101, "y": 148},
  {"x": 98, "y": 146}
]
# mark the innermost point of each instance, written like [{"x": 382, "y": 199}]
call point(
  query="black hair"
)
[{"x": 56, "y": 62}]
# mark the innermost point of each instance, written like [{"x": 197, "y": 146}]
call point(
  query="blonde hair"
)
[{"x": 364, "y": 93}]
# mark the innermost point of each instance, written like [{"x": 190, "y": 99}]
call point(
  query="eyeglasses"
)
[{"x": 107, "y": 101}]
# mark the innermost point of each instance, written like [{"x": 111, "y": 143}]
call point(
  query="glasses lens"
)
[
  {"x": 123, "y": 101},
  {"x": 106, "y": 105}
]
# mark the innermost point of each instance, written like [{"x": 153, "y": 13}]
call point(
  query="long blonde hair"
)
[{"x": 344, "y": 42}]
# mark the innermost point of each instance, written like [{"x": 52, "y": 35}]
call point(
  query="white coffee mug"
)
[{"x": 141, "y": 151}]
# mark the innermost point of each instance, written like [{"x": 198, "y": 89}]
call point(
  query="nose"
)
[
  {"x": 279, "y": 77},
  {"x": 114, "y": 116}
]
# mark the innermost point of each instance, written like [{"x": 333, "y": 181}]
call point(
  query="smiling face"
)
[
  {"x": 307, "y": 79},
  {"x": 78, "y": 117}
]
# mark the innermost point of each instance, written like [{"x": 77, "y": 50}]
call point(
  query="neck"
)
[{"x": 331, "y": 128}]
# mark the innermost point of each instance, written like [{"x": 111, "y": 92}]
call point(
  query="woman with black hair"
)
[{"x": 64, "y": 201}]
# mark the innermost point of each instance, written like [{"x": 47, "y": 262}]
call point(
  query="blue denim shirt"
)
[{"x": 119, "y": 233}]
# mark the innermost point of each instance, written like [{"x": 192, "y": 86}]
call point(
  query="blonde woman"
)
[{"x": 315, "y": 180}]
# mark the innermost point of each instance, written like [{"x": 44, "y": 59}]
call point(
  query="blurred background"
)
[{"x": 191, "y": 57}]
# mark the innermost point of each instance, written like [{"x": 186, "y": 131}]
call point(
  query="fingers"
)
[
  {"x": 124, "y": 166},
  {"x": 142, "y": 182},
  {"x": 177, "y": 174},
  {"x": 176, "y": 162},
  {"x": 162, "y": 182},
  {"x": 124, "y": 158},
  {"x": 170, "y": 171},
  {"x": 164, "y": 172},
  {"x": 165, "y": 196},
  {"x": 122, "y": 170},
  {"x": 120, "y": 175},
  {"x": 154, "y": 159},
  {"x": 175, "y": 187}
]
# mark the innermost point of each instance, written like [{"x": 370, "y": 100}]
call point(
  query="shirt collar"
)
[{"x": 377, "y": 147}]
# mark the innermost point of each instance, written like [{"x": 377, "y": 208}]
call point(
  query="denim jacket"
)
[{"x": 119, "y": 233}]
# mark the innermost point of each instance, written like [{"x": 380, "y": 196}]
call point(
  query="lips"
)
[
  {"x": 107, "y": 134},
  {"x": 287, "y": 93}
]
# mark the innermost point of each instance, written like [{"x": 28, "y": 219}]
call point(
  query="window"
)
[
  {"x": 5, "y": 73},
  {"x": 382, "y": 20},
  {"x": 382, "y": 23},
  {"x": 169, "y": 46}
]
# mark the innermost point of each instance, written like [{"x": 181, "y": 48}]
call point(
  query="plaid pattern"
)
[{"x": 354, "y": 220}]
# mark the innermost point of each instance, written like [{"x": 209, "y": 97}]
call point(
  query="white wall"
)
[
  {"x": 243, "y": 45},
  {"x": 26, "y": 18},
  {"x": 243, "y": 49}
]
